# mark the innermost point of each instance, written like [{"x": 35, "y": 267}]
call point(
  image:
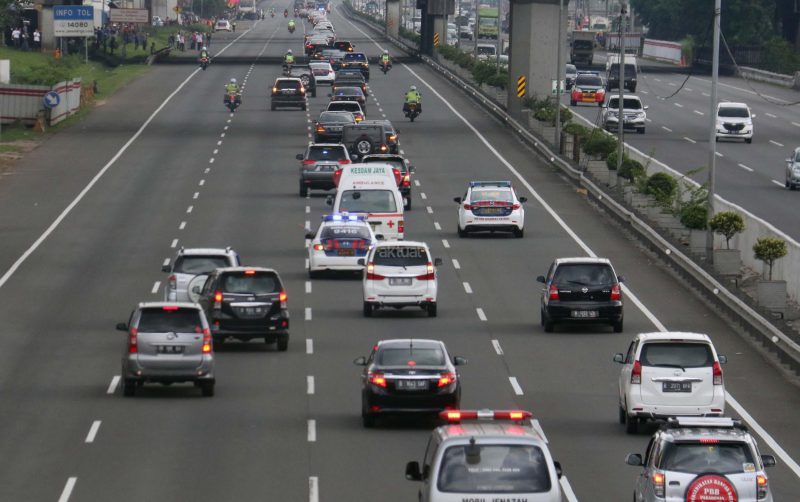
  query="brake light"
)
[
  {"x": 249, "y": 272},
  {"x": 398, "y": 178},
  {"x": 218, "y": 300},
  {"x": 429, "y": 275},
  {"x": 658, "y": 484},
  {"x": 302, "y": 90},
  {"x": 616, "y": 293},
  {"x": 384, "y": 148},
  {"x": 709, "y": 441},
  {"x": 344, "y": 161},
  {"x": 169, "y": 308},
  {"x": 206, "y": 341},
  {"x": 406, "y": 180},
  {"x": 318, "y": 247},
  {"x": 446, "y": 379},
  {"x": 392, "y": 137},
  {"x": 337, "y": 175},
  {"x": 359, "y": 118},
  {"x": 515, "y": 207},
  {"x": 401, "y": 226},
  {"x": 377, "y": 379},
  {"x": 717, "y": 373},
  {"x": 636, "y": 373},
  {"x": 371, "y": 275},
  {"x": 133, "y": 347},
  {"x": 762, "y": 486},
  {"x": 274, "y": 90},
  {"x": 172, "y": 282},
  {"x": 553, "y": 292},
  {"x": 467, "y": 207},
  {"x": 320, "y": 128},
  {"x": 282, "y": 298},
  {"x": 309, "y": 162}
]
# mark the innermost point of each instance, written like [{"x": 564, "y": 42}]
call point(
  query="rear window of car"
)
[
  {"x": 590, "y": 80},
  {"x": 326, "y": 153},
  {"x": 676, "y": 354},
  {"x": 398, "y": 164},
  {"x": 697, "y": 458},
  {"x": 355, "y": 56},
  {"x": 630, "y": 69},
  {"x": 344, "y": 232},
  {"x": 348, "y": 91},
  {"x": 177, "y": 320},
  {"x": 256, "y": 284},
  {"x": 287, "y": 84},
  {"x": 582, "y": 44},
  {"x": 494, "y": 469},
  {"x": 491, "y": 195},
  {"x": 733, "y": 111},
  {"x": 417, "y": 356},
  {"x": 355, "y": 132},
  {"x": 368, "y": 201},
  {"x": 197, "y": 264},
  {"x": 343, "y": 118},
  {"x": 345, "y": 106},
  {"x": 401, "y": 256},
  {"x": 583, "y": 274}
]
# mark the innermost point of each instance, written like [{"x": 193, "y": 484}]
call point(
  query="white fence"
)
[
  {"x": 70, "y": 93},
  {"x": 791, "y": 81},
  {"x": 662, "y": 50},
  {"x": 23, "y": 103}
]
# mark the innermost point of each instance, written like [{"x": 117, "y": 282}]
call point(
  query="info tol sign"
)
[{"x": 73, "y": 20}]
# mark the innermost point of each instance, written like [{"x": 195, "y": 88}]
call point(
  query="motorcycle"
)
[
  {"x": 385, "y": 67},
  {"x": 285, "y": 13},
  {"x": 204, "y": 62},
  {"x": 412, "y": 111},
  {"x": 232, "y": 100},
  {"x": 291, "y": 29},
  {"x": 287, "y": 69},
  {"x": 272, "y": 14}
]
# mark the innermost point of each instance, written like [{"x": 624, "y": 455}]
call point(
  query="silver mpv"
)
[{"x": 167, "y": 342}]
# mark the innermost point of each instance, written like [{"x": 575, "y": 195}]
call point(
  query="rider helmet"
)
[
  {"x": 204, "y": 48},
  {"x": 233, "y": 81},
  {"x": 385, "y": 51},
  {"x": 289, "y": 51},
  {"x": 413, "y": 88}
]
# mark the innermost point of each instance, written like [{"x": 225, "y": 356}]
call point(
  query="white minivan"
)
[{"x": 371, "y": 189}]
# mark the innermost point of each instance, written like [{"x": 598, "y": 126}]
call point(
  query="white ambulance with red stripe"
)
[{"x": 371, "y": 190}]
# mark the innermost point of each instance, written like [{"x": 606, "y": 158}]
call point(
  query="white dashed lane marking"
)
[
  {"x": 467, "y": 288},
  {"x": 166, "y": 262},
  {"x": 771, "y": 116},
  {"x": 445, "y": 244},
  {"x": 429, "y": 209},
  {"x": 310, "y": 385},
  {"x": 174, "y": 243},
  {"x": 416, "y": 182},
  {"x": 189, "y": 209},
  {"x": 515, "y": 385},
  {"x": 196, "y": 195},
  {"x": 423, "y": 196},
  {"x": 778, "y": 183},
  {"x": 497, "y": 348},
  {"x": 308, "y": 286},
  {"x": 718, "y": 154},
  {"x": 156, "y": 285},
  {"x": 796, "y": 124},
  {"x": 308, "y": 313},
  {"x": 679, "y": 105},
  {"x": 309, "y": 346},
  {"x": 481, "y": 314},
  {"x": 312, "y": 430},
  {"x": 436, "y": 225},
  {"x": 202, "y": 182},
  {"x": 776, "y": 143},
  {"x": 690, "y": 140},
  {"x": 699, "y": 112},
  {"x": 65, "y": 494},
  {"x": 746, "y": 168},
  {"x": 112, "y": 387},
  {"x": 666, "y": 128},
  {"x": 92, "y": 432},
  {"x": 313, "y": 489},
  {"x": 216, "y": 151},
  {"x": 182, "y": 225},
  {"x": 211, "y": 160},
  {"x": 456, "y": 265}
]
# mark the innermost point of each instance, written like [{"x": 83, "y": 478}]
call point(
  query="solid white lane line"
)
[
  {"x": 308, "y": 313},
  {"x": 445, "y": 244},
  {"x": 65, "y": 494},
  {"x": 776, "y": 143},
  {"x": 436, "y": 225},
  {"x": 196, "y": 195},
  {"x": 497, "y": 348},
  {"x": 189, "y": 209},
  {"x": 156, "y": 285},
  {"x": 456, "y": 265},
  {"x": 182, "y": 225},
  {"x": 312, "y": 430},
  {"x": 679, "y": 105},
  {"x": 666, "y": 128},
  {"x": 92, "y": 432},
  {"x": 423, "y": 196},
  {"x": 313, "y": 489},
  {"x": 566, "y": 489},
  {"x": 201, "y": 183},
  {"x": 310, "y": 384},
  {"x": 174, "y": 243},
  {"x": 778, "y": 183},
  {"x": 796, "y": 124},
  {"x": 467, "y": 288},
  {"x": 429, "y": 209},
  {"x": 690, "y": 140},
  {"x": 309, "y": 346},
  {"x": 416, "y": 182},
  {"x": 771, "y": 116},
  {"x": 746, "y": 168},
  {"x": 481, "y": 314},
  {"x": 308, "y": 286},
  {"x": 515, "y": 385},
  {"x": 112, "y": 387},
  {"x": 538, "y": 427},
  {"x": 698, "y": 112}
]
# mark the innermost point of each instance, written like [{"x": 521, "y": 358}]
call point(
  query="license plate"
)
[
  {"x": 412, "y": 384},
  {"x": 676, "y": 386},
  {"x": 288, "y": 91},
  {"x": 346, "y": 252},
  {"x": 493, "y": 210},
  {"x": 584, "y": 314},
  {"x": 251, "y": 310},
  {"x": 400, "y": 281},
  {"x": 170, "y": 349}
]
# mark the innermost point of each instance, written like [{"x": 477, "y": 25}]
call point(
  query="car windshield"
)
[
  {"x": 355, "y": 56},
  {"x": 494, "y": 469},
  {"x": 416, "y": 356},
  {"x": 584, "y": 274},
  {"x": 198, "y": 264},
  {"x": 345, "y": 232},
  {"x": 627, "y": 104},
  {"x": 491, "y": 195},
  {"x": 401, "y": 256},
  {"x": 338, "y": 118},
  {"x": 326, "y": 153},
  {"x": 681, "y": 354},
  {"x": 178, "y": 320},
  {"x": 589, "y": 80},
  {"x": 702, "y": 458},
  {"x": 254, "y": 284},
  {"x": 733, "y": 111},
  {"x": 582, "y": 44},
  {"x": 368, "y": 201}
]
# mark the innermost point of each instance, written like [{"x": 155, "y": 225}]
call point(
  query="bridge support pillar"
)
[
  {"x": 393, "y": 18},
  {"x": 533, "y": 48},
  {"x": 434, "y": 20}
]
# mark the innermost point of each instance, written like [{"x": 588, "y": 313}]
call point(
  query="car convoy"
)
[{"x": 676, "y": 378}]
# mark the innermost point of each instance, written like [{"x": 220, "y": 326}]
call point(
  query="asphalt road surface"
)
[{"x": 89, "y": 217}]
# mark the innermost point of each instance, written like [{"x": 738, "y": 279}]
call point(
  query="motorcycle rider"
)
[
  {"x": 204, "y": 52},
  {"x": 288, "y": 59},
  {"x": 285, "y": 12},
  {"x": 233, "y": 88},
  {"x": 291, "y": 25},
  {"x": 385, "y": 59},
  {"x": 413, "y": 96}
]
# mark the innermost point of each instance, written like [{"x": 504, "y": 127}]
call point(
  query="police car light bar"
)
[
  {"x": 720, "y": 422},
  {"x": 490, "y": 183},
  {"x": 343, "y": 217},
  {"x": 459, "y": 415}
]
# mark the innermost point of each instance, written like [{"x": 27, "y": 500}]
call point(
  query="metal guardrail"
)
[{"x": 768, "y": 335}]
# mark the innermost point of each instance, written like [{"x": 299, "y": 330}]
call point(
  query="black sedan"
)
[
  {"x": 349, "y": 94},
  {"x": 408, "y": 376},
  {"x": 328, "y": 127}
]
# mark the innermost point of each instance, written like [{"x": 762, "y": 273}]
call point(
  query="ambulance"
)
[{"x": 372, "y": 190}]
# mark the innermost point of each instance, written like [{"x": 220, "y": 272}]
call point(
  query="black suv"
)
[
  {"x": 288, "y": 92},
  {"x": 364, "y": 139},
  {"x": 581, "y": 290},
  {"x": 630, "y": 77},
  {"x": 246, "y": 303}
]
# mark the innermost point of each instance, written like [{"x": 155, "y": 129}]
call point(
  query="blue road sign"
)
[
  {"x": 73, "y": 20},
  {"x": 51, "y": 99},
  {"x": 73, "y": 12}
]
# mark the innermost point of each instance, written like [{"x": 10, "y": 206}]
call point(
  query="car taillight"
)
[
  {"x": 398, "y": 178},
  {"x": 429, "y": 275},
  {"x": 359, "y": 118},
  {"x": 218, "y": 300},
  {"x": 384, "y": 149},
  {"x": 762, "y": 486},
  {"x": 658, "y": 484},
  {"x": 401, "y": 227},
  {"x": 636, "y": 373},
  {"x": 616, "y": 294},
  {"x": 446, "y": 379},
  {"x": 553, "y": 292},
  {"x": 172, "y": 282},
  {"x": 318, "y": 247},
  {"x": 206, "y": 341},
  {"x": 515, "y": 207},
  {"x": 274, "y": 90},
  {"x": 133, "y": 347},
  {"x": 377, "y": 379},
  {"x": 302, "y": 90},
  {"x": 282, "y": 298},
  {"x": 344, "y": 162},
  {"x": 392, "y": 137},
  {"x": 717, "y": 373},
  {"x": 406, "y": 181},
  {"x": 371, "y": 275},
  {"x": 320, "y": 128},
  {"x": 467, "y": 207},
  {"x": 337, "y": 175}
]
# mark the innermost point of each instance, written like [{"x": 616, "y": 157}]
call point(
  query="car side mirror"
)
[
  {"x": 752, "y": 116},
  {"x": 412, "y": 471},
  {"x": 437, "y": 262},
  {"x": 620, "y": 278},
  {"x": 165, "y": 268},
  {"x": 646, "y": 107},
  {"x": 310, "y": 235},
  {"x": 768, "y": 460},
  {"x": 540, "y": 279},
  {"x": 459, "y": 361},
  {"x": 559, "y": 471},
  {"x": 457, "y": 200},
  {"x": 121, "y": 326},
  {"x": 619, "y": 358},
  {"x": 329, "y": 200},
  {"x": 412, "y": 169},
  {"x": 523, "y": 200},
  {"x": 361, "y": 262},
  {"x": 634, "y": 459},
  {"x": 723, "y": 359},
  {"x": 360, "y": 361},
  {"x": 380, "y": 237}
]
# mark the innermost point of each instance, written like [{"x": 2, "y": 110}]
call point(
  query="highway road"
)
[
  {"x": 90, "y": 216},
  {"x": 750, "y": 175}
]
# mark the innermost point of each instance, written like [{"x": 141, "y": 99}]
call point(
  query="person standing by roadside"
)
[
  {"x": 15, "y": 37},
  {"x": 208, "y": 39},
  {"x": 193, "y": 41},
  {"x": 24, "y": 37},
  {"x": 37, "y": 39}
]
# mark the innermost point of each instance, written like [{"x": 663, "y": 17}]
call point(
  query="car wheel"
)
[
  {"x": 547, "y": 323},
  {"x": 617, "y": 326},
  {"x": 283, "y": 343},
  {"x": 622, "y": 414},
  {"x": 407, "y": 205},
  {"x": 207, "y": 388},
  {"x": 748, "y": 140},
  {"x": 631, "y": 424},
  {"x": 431, "y": 309},
  {"x": 519, "y": 233},
  {"x": 363, "y": 146},
  {"x": 128, "y": 387},
  {"x": 716, "y": 139},
  {"x": 367, "y": 309},
  {"x": 303, "y": 189},
  {"x": 368, "y": 419},
  {"x": 461, "y": 233}
]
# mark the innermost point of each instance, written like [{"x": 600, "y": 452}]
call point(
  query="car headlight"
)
[
  {"x": 796, "y": 170},
  {"x": 640, "y": 115}
]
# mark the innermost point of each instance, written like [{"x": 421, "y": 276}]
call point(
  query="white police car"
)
[
  {"x": 490, "y": 206},
  {"x": 339, "y": 242}
]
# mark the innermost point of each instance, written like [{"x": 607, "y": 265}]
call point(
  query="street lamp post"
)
[
  {"x": 621, "y": 101},
  {"x": 712, "y": 133},
  {"x": 559, "y": 69}
]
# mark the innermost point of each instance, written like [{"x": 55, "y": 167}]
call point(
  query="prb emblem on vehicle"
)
[{"x": 711, "y": 489}]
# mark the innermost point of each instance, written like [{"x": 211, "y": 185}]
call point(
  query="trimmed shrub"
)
[
  {"x": 631, "y": 169},
  {"x": 769, "y": 249},
  {"x": 727, "y": 224},
  {"x": 578, "y": 130},
  {"x": 600, "y": 145},
  {"x": 694, "y": 216},
  {"x": 662, "y": 186}
]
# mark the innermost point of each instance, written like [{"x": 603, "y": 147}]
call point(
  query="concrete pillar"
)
[
  {"x": 393, "y": 18},
  {"x": 440, "y": 29},
  {"x": 434, "y": 19},
  {"x": 533, "y": 47}
]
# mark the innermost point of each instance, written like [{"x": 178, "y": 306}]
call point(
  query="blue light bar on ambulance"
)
[
  {"x": 344, "y": 217},
  {"x": 474, "y": 184}
]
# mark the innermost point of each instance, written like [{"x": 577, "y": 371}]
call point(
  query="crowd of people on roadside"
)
[
  {"x": 196, "y": 40},
  {"x": 23, "y": 40}
]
